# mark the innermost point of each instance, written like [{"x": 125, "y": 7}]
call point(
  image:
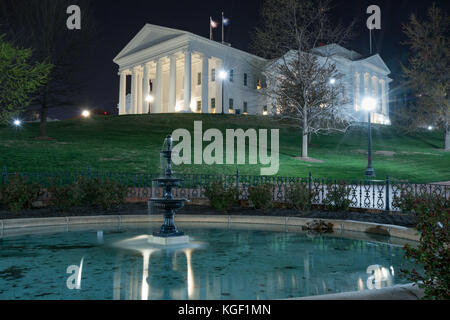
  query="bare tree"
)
[
  {"x": 428, "y": 71},
  {"x": 304, "y": 83},
  {"x": 41, "y": 25}
]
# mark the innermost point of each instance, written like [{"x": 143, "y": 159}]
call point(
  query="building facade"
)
[{"x": 165, "y": 70}]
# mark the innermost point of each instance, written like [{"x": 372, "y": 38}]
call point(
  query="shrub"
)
[
  {"x": 299, "y": 196},
  {"x": 261, "y": 196},
  {"x": 433, "y": 250},
  {"x": 337, "y": 197},
  {"x": 221, "y": 198},
  {"x": 408, "y": 202},
  {"x": 62, "y": 197},
  {"x": 97, "y": 193},
  {"x": 18, "y": 193}
]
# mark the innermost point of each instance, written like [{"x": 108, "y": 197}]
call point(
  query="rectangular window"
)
[
  {"x": 231, "y": 105},
  {"x": 231, "y": 75},
  {"x": 245, "y": 79},
  {"x": 199, "y": 78},
  {"x": 199, "y": 105},
  {"x": 265, "y": 113},
  {"x": 245, "y": 107},
  {"x": 213, "y": 103},
  {"x": 213, "y": 75}
]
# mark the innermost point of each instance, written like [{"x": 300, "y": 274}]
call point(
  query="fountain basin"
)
[{"x": 168, "y": 204}]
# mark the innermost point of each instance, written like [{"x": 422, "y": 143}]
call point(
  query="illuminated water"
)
[{"x": 223, "y": 263}]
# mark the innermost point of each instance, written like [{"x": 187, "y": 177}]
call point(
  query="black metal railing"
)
[{"x": 366, "y": 194}]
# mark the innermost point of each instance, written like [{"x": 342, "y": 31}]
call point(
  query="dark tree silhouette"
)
[{"x": 41, "y": 25}]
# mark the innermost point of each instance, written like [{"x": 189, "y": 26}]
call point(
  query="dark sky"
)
[{"x": 118, "y": 22}]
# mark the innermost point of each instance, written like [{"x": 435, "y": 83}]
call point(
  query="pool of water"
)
[{"x": 223, "y": 262}]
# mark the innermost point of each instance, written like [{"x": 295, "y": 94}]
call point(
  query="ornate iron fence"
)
[{"x": 366, "y": 194}]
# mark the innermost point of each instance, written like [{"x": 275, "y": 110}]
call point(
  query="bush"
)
[
  {"x": 299, "y": 196},
  {"x": 261, "y": 196},
  {"x": 97, "y": 193},
  {"x": 433, "y": 250},
  {"x": 408, "y": 202},
  {"x": 337, "y": 197},
  {"x": 221, "y": 198},
  {"x": 18, "y": 193},
  {"x": 62, "y": 197}
]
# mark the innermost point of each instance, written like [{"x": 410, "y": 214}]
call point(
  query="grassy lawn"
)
[{"x": 132, "y": 144}]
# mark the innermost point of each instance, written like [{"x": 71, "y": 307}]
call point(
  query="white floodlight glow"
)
[
  {"x": 149, "y": 98},
  {"x": 332, "y": 81},
  {"x": 430, "y": 128},
  {"x": 369, "y": 103},
  {"x": 223, "y": 74},
  {"x": 86, "y": 113},
  {"x": 17, "y": 122}
]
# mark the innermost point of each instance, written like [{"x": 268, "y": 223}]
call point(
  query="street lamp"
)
[
  {"x": 17, "y": 122},
  {"x": 332, "y": 81},
  {"x": 149, "y": 98},
  {"x": 86, "y": 113},
  {"x": 223, "y": 75},
  {"x": 369, "y": 105}
]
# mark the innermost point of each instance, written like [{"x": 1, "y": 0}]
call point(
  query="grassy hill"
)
[{"x": 132, "y": 144}]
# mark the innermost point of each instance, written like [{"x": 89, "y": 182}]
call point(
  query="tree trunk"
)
[
  {"x": 44, "y": 112},
  {"x": 447, "y": 138},
  {"x": 305, "y": 139}
]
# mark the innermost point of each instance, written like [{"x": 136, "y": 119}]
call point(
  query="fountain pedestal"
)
[{"x": 168, "y": 234}]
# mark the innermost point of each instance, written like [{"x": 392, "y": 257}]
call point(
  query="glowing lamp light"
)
[
  {"x": 17, "y": 123},
  {"x": 265, "y": 113},
  {"x": 86, "y": 113},
  {"x": 430, "y": 128},
  {"x": 149, "y": 98},
  {"x": 223, "y": 74},
  {"x": 369, "y": 104},
  {"x": 332, "y": 81},
  {"x": 178, "y": 108}
]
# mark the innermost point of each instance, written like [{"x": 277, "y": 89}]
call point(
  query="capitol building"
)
[{"x": 164, "y": 70}]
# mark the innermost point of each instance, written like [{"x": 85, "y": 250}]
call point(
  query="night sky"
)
[{"x": 119, "y": 21}]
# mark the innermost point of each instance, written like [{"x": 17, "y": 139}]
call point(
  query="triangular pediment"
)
[
  {"x": 150, "y": 35},
  {"x": 376, "y": 61}
]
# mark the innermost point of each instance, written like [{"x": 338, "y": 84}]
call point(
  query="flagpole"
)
[
  {"x": 210, "y": 29},
  {"x": 222, "y": 29}
]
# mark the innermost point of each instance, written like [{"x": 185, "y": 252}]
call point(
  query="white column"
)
[
  {"x": 173, "y": 83},
  {"x": 187, "y": 80},
  {"x": 218, "y": 82},
  {"x": 383, "y": 98},
  {"x": 146, "y": 89},
  {"x": 122, "y": 93},
  {"x": 139, "y": 93},
  {"x": 134, "y": 97},
  {"x": 205, "y": 84},
  {"x": 159, "y": 87}
]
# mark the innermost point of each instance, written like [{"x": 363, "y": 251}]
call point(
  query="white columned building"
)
[{"x": 177, "y": 71}]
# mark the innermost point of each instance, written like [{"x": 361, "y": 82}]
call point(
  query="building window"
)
[
  {"x": 245, "y": 79},
  {"x": 199, "y": 105},
  {"x": 231, "y": 105},
  {"x": 213, "y": 103},
  {"x": 231, "y": 75},
  {"x": 245, "y": 107},
  {"x": 265, "y": 111},
  {"x": 213, "y": 75},
  {"x": 199, "y": 78}
]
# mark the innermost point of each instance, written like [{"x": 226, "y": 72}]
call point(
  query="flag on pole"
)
[
  {"x": 225, "y": 22},
  {"x": 212, "y": 25}
]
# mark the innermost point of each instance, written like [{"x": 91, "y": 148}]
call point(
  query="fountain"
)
[{"x": 168, "y": 234}]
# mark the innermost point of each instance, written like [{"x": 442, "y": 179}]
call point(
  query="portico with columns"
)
[{"x": 167, "y": 71}]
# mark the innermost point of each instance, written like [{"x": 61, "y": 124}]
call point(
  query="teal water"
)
[{"x": 223, "y": 263}]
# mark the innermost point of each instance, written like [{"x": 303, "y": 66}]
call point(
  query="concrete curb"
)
[
  {"x": 398, "y": 292},
  {"x": 339, "y": 225}
]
